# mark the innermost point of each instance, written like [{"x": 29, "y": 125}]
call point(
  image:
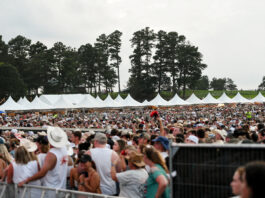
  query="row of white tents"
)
[{"x": 83, "y": 101}]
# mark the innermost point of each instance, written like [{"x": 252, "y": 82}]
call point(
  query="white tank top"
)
[
  {"x": 41, "y": 158},
  {"x": 56, "y": 178},
  {"x": 24, "y": 171},
  {"x": 102, "y": 159}
]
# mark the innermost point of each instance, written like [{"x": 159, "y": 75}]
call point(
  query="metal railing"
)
[
  {"x": 32, "y": 191},
  {"x": 65, "y": 129},
  {"x": 206, "y": 170}
]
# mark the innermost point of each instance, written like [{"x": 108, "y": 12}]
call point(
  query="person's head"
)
[
  {"x": 4, "y": 154},
  {"x": 22, "y": 156},
  {"x": 261, "y": 134},
  {"x": 237, "y": 182},
  {"x": 161, "y": 143},
  {"x": 100, "y": 139},
  {"x": 43, "y": 144},
  {"x": 201, "y": 133},
  {"x": 192, "y": 139},
  {"x": 76, "y": 136},
  {"x": 144, "y": 138},
  {"x": 152, "y": 156},
  {"x": 135, "y": 160},
  {"x": 253, "y": 180},
  {"x": 119, "y": 145},
  {"x": 86, "y": 162}
]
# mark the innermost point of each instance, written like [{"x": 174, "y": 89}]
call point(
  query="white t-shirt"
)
[
  {"x": 132, "y": 183},
  {"x": 24, "y": 171}
]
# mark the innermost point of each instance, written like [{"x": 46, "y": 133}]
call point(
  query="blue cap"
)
[
  {"x": 163, "y": 140},
  {"x": 2, "y": 141}
]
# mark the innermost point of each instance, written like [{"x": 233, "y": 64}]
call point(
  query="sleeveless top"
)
[
  {"x": 24, "y": 171},
  {"x": 56, "y": 178},
  {"x": 102, "y": 159}
]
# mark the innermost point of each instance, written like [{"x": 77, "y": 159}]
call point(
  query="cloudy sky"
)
[{"x": 229, "y": 33}]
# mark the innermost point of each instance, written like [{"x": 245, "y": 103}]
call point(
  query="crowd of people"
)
[{"x": 130, "y": 157}]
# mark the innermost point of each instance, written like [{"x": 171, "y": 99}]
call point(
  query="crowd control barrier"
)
[
  {"x": 31, "y": 191},
  {"x": 206, "y": 170}
]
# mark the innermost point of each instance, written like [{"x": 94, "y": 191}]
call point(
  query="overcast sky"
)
[{"x": 229, "y": 33}]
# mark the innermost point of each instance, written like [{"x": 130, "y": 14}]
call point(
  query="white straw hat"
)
[
  {"x": 29, "y": 145},
  {"x": 56, "y": 137}
]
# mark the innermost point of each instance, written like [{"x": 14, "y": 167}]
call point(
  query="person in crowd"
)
[
  {"x": 43, "y": 148},
  {"x": 119, "y": 146},
  {"x": 201, "y": 135},
  {"x": 157, "y": 184},
  {"x": 144, "y": 139},
  {"x": 237, "y": 182},
  {"x": 253, "y": 180},
  {"x": 5, "y": 159},
  {"x": 31, "y": 148},
  {"x": 192, "y": 139},
  {"x": 132, "y": 181},
  {"x": 22, "y": 168},
  {"x": 76, "y": 138},
  {"x": 104, "y": 158},
  {"x": 76, "y": 171},
  {"x": 161, "y": 143},
  {"x": 89, "y": 178},
  {"x": 54, "y": 170}
]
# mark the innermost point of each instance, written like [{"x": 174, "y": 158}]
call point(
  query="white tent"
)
[
  {"x": 49, "y": 99},
  {"x": 176, "y": 100},
  {"x": 100, "y": 102},
  {"x": 130, "y": 102},
  {"x": 225, "y": 99},
  {"x": 258, "y": 98},
  {"x": 37, "y": 104},
  {"x": 11, "y": 105},
  {"x": 240, "y": 99},
  {"x": 109, "y": 102},
  {"x": 193, "y": 99},
  {"x": 73, "y": 98},
  {"x": 120, "y": 100},
  {"x": 209, "y": 99},
  {"x": 89, "y": 102},
  {"x": 145, "y": 103},
  {"x": 159, "y": 101},
  {"x": 62, "y": 103},
  {"x": 23, "y": 101}
]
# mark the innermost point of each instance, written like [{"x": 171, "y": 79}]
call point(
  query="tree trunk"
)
[
  {"x": 174, "y": 84},
  {"x": 159, "y": 81},
  {"x": 184, "y": 86},
  {"x": 119, "y": 85}
]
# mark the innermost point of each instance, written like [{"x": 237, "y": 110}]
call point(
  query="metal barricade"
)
[
  {"x": 31, "y": 191},
  {"x": 206, "y": 170}
]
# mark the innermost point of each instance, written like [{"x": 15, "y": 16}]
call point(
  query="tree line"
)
[{"x": 160, "y": 61}]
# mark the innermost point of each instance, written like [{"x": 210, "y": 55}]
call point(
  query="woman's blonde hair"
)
[
  {"x": 22, "y": 156},
  {"x": 241, "y": 171},
  {"x": 32, "y": 156},
  {"x": 154, "y": 155},
  {"x": 4, "y": 154}
]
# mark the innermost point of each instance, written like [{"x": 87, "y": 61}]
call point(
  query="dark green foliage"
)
[
  {"x": 262, "y": 84},
  {"x": 114, "y": 41},
  {"x": 11, "y": 83},
  {"x": 163, "y": 62},
  {"x": 201, "y": 84},
  {"x": 218, "y": 83},
  {"x": 223, "y": 84}
]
